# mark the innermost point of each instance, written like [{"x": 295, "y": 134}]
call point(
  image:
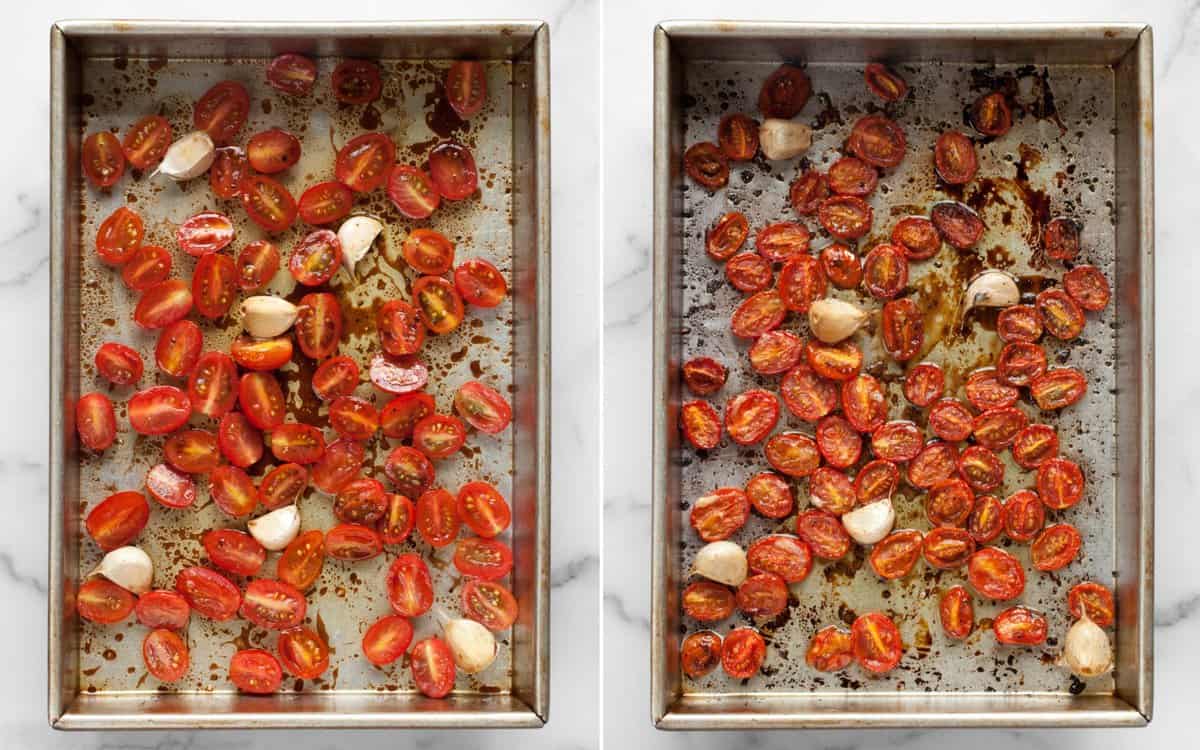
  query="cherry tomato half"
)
[
  {"x": 482, "y": 407},
  {"x": 146, "y": 142},
  {"x": 878, "y": 141},
  {"x": 119, "y": 236},
  {"x": 480, "y": 283},
  {"x": 885, "y": 82},
  {"x": 208, "y": 592},
  {"x": 991, "y": 115},
  {"x": 737, "y": 135},
  {"x": 896, "y": 554},
  {"x": 786, "y": 556},
  {"x": 957, "y": 612},
  {"x": 996, "y": 574},
  {"x": 101, "y": 601},
  {"x": 119, "y": 364},
  {"x": 292, "y": 74},
  {"x": 877, "y": 644},
  {"x": 273, "y": 604},
  {"x": 742, "y": 653},
  {"x": 784, "y": 92},
  {"x": 437, "y": 517},
  {"x": 957, "y": 224},
  {"x": 118, "y": 519},
  {"x": 490, "y": 604},
  {"x": 103, "y": 159},
  {"x": 228, "y": 169},
  {"x": 1055, "y": 547},
  {"x": 1060, "y": 238},
  {"x": 158, "y": 410},
  {"x": 1059, "y": 483},
  {"x": 452, "y": 171},
  {"x": 222, "y": 111},
  {"x": 918, "y": 237},
  {"x": 234, "y": 551},
  {"x": 409, "y": 586},
  {"x": 283, "y": 485},
  {"x": 1020, "y": 626},
  {"x": 163, "y": 608},
  {"x": 412, "y": 192},
  {"x": 256, "y": 671},
  {"x": 357, "y": 82},
  {"x": 700, "y": 653},
  {"x": 830, "y": 650},
  {"x": 924, "y": 384},
  {"x": 846, "y": 217},
  {"x": 438, "y": 303},
  {"x": 751, "y": 415},
  {"x": 719, "y": 514},
  {"x": 387, "y": 639},
  {"x": 149, "y": 265},
  {"x": 304, "y": 654},
  {"x": 325, "y": 203},
  {"x": 439, "y": 436},
  {"x": 488, "y": 559},
  {"x": 353, "y": 542},
  {"x": 302, "y": 560},
  {"x": 268, "y": 203},
  {"x": 706, "y": 164},
  {"x": 1094, "y": 599},
  {"x": 433, "y": 667},
  {"x": 954, "y": 158},
  {"x": 1088, "y": 287},
  {"x": 807, "y": 192},
  {"x": 272, "y": 150}
]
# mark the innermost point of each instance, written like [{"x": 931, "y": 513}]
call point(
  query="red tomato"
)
[
  {"x": 483, "y": 509},
  {"x": 986, "y": 520},
  {"x": 985, "y": 391},
  {"x": 773, "y": 352},
  {"x": 480, "y": 283},
  {"x": 885, "y": 83},
  {"x": 954, "y": 158},
  {"x": 273, "y": 604},
  {"x": 839, "y": 442},
  {"x": 824, "y": 533},
  {"x": 876, "y": 480},
  {"x": 996, "y": 574},
  {"x": 947, "y": 548},
  {"x": 192, "y": 451},
  {"x": 170, "y": 488},
  {"x": 846, "y": 217},
  {"x": 742, "y": 653},
  {"x": 212, "y": 386},
  {"x": 781, "y": 241},
  {"x": 268, "y": 203},
  {"x": 957, "y": 612},
  {"x": 1061, "y": 317},
  {"x": 841, "y": 265},
  {"x": 233, "y": 491},
  {"x": 1055, "y": 547},
  {"x": 452, "y": 171},
  {"x": 1020, "y": 626},
  {"x": 387, "y": 639},
  {"x": 770, "y": 495},
  {"x": 851, "y": 176},
  {"x": 353, "y": 542},
  {"x": 917, "y": 237},
  {"x": 292, "y": 74},
  {"x": 433, "y": 667},
  {"x": 727, "y": 236},
  {"x": 885, "y": 271},
  {"x": 750, "y": 416},
  {"x": 364, "y": 162},
  {"x": 933, "y": 463},
  {"x": 807, "y": 192},
  {"x": 482, "y": 407},
  {"x": 783, "y": 555},
  {"x": 325, "y": 203},
  {"x": 234, "y": 551},
  {"x": 864, "y": 403},
  {"x": 336, "y": 376},
  {"x": 1088, "y": 287},
  {"x": 103, "y": 159},
  {"x": 409, "y": 470},
  {"x": 706, "y": 164},
  {"x": 1019, "y": 323},
  {"x": 318, "y": 324},
  {"x": 700, "y": 653},
  {"x": 101, "y": 601},
  {"x": 793, "y": 454},
  {"x": 262, "y": 400},
  {"x": 720, "y": 514},
  {"x": 361, "y": 501},
  {"x": 764, "y": 595},
  {"x": 949, "y": 503},
  {"x": 401, "y": 414},
  {"x": 830, "y": 650},
  {"x": 902, "y": 328},
  {"x": 924, "y": 384},
  {"x": 409, "y": 586},
  {"x": 272, "y": 150},
  {"x": 488, "y": 559},
  {"x": 1024, "y": 516},
  {"x": 957, "y": 224},
  {"x": 149, "y": 265},
  {"x": 253, "y": 670},
  {"x": 831, "y": 490},
  {"x": 1058, "y": 388},
  {"x": 398, "y": 520},
  {"x": 466, "y": 88},
  {"x": 316, "y": 258},
  {"x": 489, "y": 603},
  {"x": 438, "y": 303},
  {"x": 878, "y": 141},
  {"x": 737, "y": 135},
  {"x": 1094, "y": 599},
  {"x": 206, "y": 232},
  {"x": 428, "y": 251},
  {"x": 222, "y": 111},
  {"x": 784, "y": 93},
  {"x": 1020, "y": 363},
  {"x": 1059, "y": 483},
  {"x": 301, "y": 562},
  {"x": 257, "y": 264},
  {"x": 146, "y": 142},
  {"x": 951, "y": 420},
  {"x": 808, "y": 395},
  {"x": 228, "y": 170},
  {"x": 834, "y": 361},
  {"x": 1060, "y": 238},
  {"x": 261, "y": 354},
  {"x": 896, "y": 554},
  {"x": 162, "y": 608},
  {"x": 118, "y": 519},
  {"x": 119, "y": 237},
  {"x": 981, "y": 468},
  {"x": 997, "y": 428},
  {"x": 439, "y": 436},
  {"x": 401, "y": 331},
  {"x": 304, "y": 653},
  {"x": 240, "y": 443},
  {"x": 1035, "y": 445},
  {"x": 297, "y": 443},
  {"x": 357, "y": 82},
  {"x": 412, "y": 192},
  {"x": 163, "y": 304},
  {"x": 159, "y": 410},
  {"x": 437, "y": 517},
  {"x": 208, "y": 592},
  {"x": 214, "y": 285},
  {"x": 897, "y": 441},
  {"x": 758, "y": 314},
  {"x": 801, "y": 282},
  {"x": 991, "y": 115},
  {"x": 353, "y": 418},
  {"x": 119, "y": 364},
  {"x": 877, "y": 644},
  {"x": 284, "y": 484}
]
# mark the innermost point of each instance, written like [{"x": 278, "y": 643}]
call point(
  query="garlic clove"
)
[
  {"x": 266, "y": 317},
  {"x": 472, "y": 645},
  {"x": 357, "y": 234},
  {"x": 783, "y": 139},
  {"x": 992, "y": 288},
  {"x": 871, "y": 522},
  {"x": 1087, "y": 651},
  {"x": 723, "y": 562},
  {"x": 833, "y": 320},
  {"x": 188, "y": 157},
  {"x": 277, "y": 529},
  {"x": 128, "y": 567}
]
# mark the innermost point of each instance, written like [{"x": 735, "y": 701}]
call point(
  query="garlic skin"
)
[
  {"x": 871, "y": 522},
  {"x": 723, "y": 562},
  {"x": 266, "y": 317},
  {"x": 128, "y": 567},
  {"x": 188, "y": 157},
  {"x": 472, "y": 645},
  {"x": 357, "y": 234},
  {"x": 783, "y": 139},
  {"x": 1086, "y": 649},
  {"x": 992, "y": 288},
  {"x": 277, "y": 529},
  {"x": 833, "y": 320}
]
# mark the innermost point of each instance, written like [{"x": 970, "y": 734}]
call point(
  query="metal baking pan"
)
[
  {"x": 106, "y": 74},
  {"x": 1087, "y": 148}
]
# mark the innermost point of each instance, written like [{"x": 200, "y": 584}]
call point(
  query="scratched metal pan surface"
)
[
  {"x": 109, "y": 75},
  {"x": 1079, "y": 110}
]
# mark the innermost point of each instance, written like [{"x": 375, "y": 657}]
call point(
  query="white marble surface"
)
[
  {"x": 627, "y": 346},
  {"x": 24, "y": 289}
]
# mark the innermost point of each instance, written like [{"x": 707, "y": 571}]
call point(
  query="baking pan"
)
[
  {"x": 1087, "y": 147},
  {"x": 107, "y": 74}
]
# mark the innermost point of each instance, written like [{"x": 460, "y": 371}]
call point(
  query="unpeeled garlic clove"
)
[
  {"x": 992, "y": 288},
  {"x": 188, "y": 157},
  {"x": 266, "y": 317},
  {"x": 472, "y": 645},
  {"x": 783, "y": 139},
  {"x": 1087, "y": 651},
  {"x": 833, "y": 320},
  {"x": 357, "y": 234},
  {"x": 128, "y": 567},
  {"x": 871, "y": 522},
  {"x": 723, "y": 562},
  {"x": 277, "y": 529}
]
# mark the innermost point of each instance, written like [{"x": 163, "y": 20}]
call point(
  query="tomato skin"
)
[
  {"x": 293, "y": 442},
  {"x": 466, "y": 88},
  {"x": 208, "y": 592},
  {"x": 946, "y": 548},
  {"x": 162, "y": 608},
  {"x": 917, "y": 237},
  {"x": 437, "y": 517},
  {"x": 212, "y": 386},
  {"x": 482, "y": 407},
  {"x": 400, "y": 415},
  {"x": 807, "y": 192},
  {"x": 1059, "y": 483},
  {"x": 282, "y": 486},
  {"x": 954, "y": 158},
  {"x": 751, "y": 415},
  {"x": 228, "y": 170},
  {"x": 336, "y": 376},
  {"x": 438, "y": 303},
  {"x": 720, "y": 514},
  {"x": 192, "y": 451},
  {"x": 268, "y": 203},
  {"x": 149, "y": 265},
  {"x": 433, "y": 667},
  {"x": 439, "y": 436},
  {"x": 273, "y": 604},
  {"x": 877, "y": 644},
  {"x": 1061, "y": 317},
  {"x": 319, "y": 325},
  {"x": 302, "y": 560},
  {"x": 119, "y": 237},
  {"x": 255, "y": 671},
  {"x": 1094, "y": 599},
  {"x": 895, "y": 555},
  {"x": 488, "y": 559},
  {"x": 409, "y": 471},
  {"x": 233, "y": 491},
  {"x": 700, "y": 653},
  {"x": 163, "y": 304},
  {"x": 353, "y": 542},
  {"x": 742, "y": 653},
  {"x": 737, "y": 135},
  {"x": 784, "y": 92},
  {"x": 1020, "y": 626},
  {"x": 885, "y": 83},
  {"x": 483, "y": 509},
  {"x": 846, "y": 217},
  {"x": 303, "y": 653},
  {"x": 325, "y": 203},
  {"x": 101, "y": 601},
  {"x": 878, "y": 141},
  {"x": 764, "y": 595},
  {"x": 272, "y": 150},
  {"x": 261, "y": 354},
  {"x": 364, "y": 162},
  {"x": 222, "y": 111},
  {"x": 409, "y": 586},
  {"x": 851, "y": 176},
  {"x": 991, "y": 115},
  {"x": 412, "y": 192},
  {"x": 118, "y": 519},
  {"x": 823, "y": 532},
  {"x": 995, "y": 574},
  {"x": 170, "y": 488},
  {"x": 480, "y": 283},
  {"x": 387, "y": 639},
  {"x": 292, "y": 74},
  {"x": 490, "y": 604},
  {"x": 758, "y": 314},
  {"x": 1088, "y": 287},
  {"x": 902, "y": 328},
  {"x": 958, "y": 224},
  {"x": 119, "y": 364},
  {"x": 159, "y": 410},
  {"x": 727, "y": 236},
  {"x": 706, "y": 164},
  {"x": 103, "y": 159},
  {"x": 205, "y": 233},
  {"x": 146, "y": 142},
  {"x": 1055, "y": 547},
  {"x": 774, "y": 352},
  {"x": 830, "y": 650},
  {"x": 957, "y": 613},
  {"x": 357, "y": 82},
  {"x": 234, "y": 551},
  {"x": 1060, "y": 238}
]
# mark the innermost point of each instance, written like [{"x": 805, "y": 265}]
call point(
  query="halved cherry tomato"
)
[
  {"x": 214, "y": 285},
  {"x": 902, "y": 328},
  {"x": 119, "y": 236},
  {"x": 412, "y": 192},
  {"x": 292, "y": 74},
  {"x": 1059, "y": 483},
  {"x": 807, "y": 192},
  {"x": 409, "y": 586},
  {"x": 1062, "y": 318},
  {"x": 302, "y": 560},
  {"x": 357, "y": 82},
  {"x": 438, "y": 303},
  {"x": 954, "y": 158},
  {"x": 841, "y": 265},
  {"x": 304, "y": 653},
  {"x": 924, "y": 384},
  {"x": 489, "y": 603},
  {"x": 885, "y": 83},
  {"x": 949, "y": 503},
  {"x": 256, "y": 671},
  {"x": 206, "y": 232},
  {"x": 808, "y": 395},
  {"x": 749, "y": 272},
  {"x": 763, "y": 595},
  {"x": 781, "y": 241},
  {"x": 823, "y": 532},
  {"x": 758, "y": 314},
  {"x": 876, "y": 480},
  {"x": 1058, "y": 388},
  {"x": 482, "y": 407},
  {"x": 262, "y": 400},
  {"x": 1055, "y": 547},
  {"x": 439, "y": 435},
  {"x": 1088, "y": 287},
  {"x": 283, "y": 485},
  {"x": 897, "y": 441},
  {"x": 877, "y": 644},
  {"x": 981, "y": 468},
  {"x": 957, "y": 612},
  {"x": 851, "y": 176},
  {"x": 801, "y": 282},
  {"x": 163, "y": 304},
  {"x": 830, "y": 650},
  {"x": 222, "y": 111},
  {"x": 773, "y": 352},
  {"x": 489, "y": 559},
  {"x": 483, "y": 508},
  {"x": 864, "y": 402},
  {"x": 387, "y": 639},
  {"x": 1024, "y": 516},
  {"x": 784, "y": 92},
  {"x": 234, "y": 551},
  {"x": 700, "y": 653},
  {"x": 257, "y": 264},
  {"x": 325, "y": 203},
  {"x": 751, "y": 415},
  {"x": 701, "y": 425},
  {"x": 149, "y": 265},
  {"x": 401, "y": 330},
  {"x": 885, "y": 271},
  {"x": 163, "y": 608},
  {"x": 878, "y": 141},
  {"x": 706, "y": 164},
  {"x": 997, "y": 428},
  {"x": 240, "y": 443},
  {"x": 935, "y": 462},
  {"x": 159, "y": 410},
  {"x": 1020, "y": 363},
  {"x": 170, "y": 488},
  {"x": 985, "y": 391},
  {"x": 1020, "y": 626},
  {"x": 146, "y": 142},
  {"x": 452, "y": 171},
  {"x": 433, "y": 667},
  {"x": 991, "y": 115},
  {"x": 896, "y": 554},
  {"x": 834, "y": 361},
  {"x": 361, "y": 501},
  {"x": 786, "y": 556},
  {"x": 103, "y": 159},
  {"x": 1094, "y": 599},
  {"x": 1035, "y": 445},
  {"x": 409, "y": 470},
  {"x": 986, "y": 520},
  {"x": 737, "y": 135},
  {"x": 957, "y": 224},
  {"x": 261, "y": 354},
  {"x": 946, "y": 548},
  {"x": 273, "y": 604},
  {"x": 192, "y": 451},
  {"x": 208, "y": 592},
  {"x": 118, "y": 519},
  {"x": 337, "y": 376},
  {"x": 770, "y": 495},
  {"x": 831, "y": 490},
  {"x": 119, "y": 364},
  {"x": 727, "y": 236},
  {"x": 318, "y": 324},
  {"x": 951, "y": 420},
  {"x": 101, "y": 601},
  {"x": 480, "y": 283},
  {"x": 720, "y": 514},
  {"x": 213, "y": 386},
  {"x": 228, "y": 170},
  {"x": 792, "y": 453},
  {"x": 292, "y": 442},
  {"x": 742, "y": 653},
  {"x": 428, "y": 251},
  {"x": 341, "y": 462},
  {"x": 918, "y": 237},
  {"x": 268, "y": 203},
  {"x": 846, "y": 217},
  {"x": 353, "y": 418},
  {"x": 315, "y": 258},
  {"x": 1060, "y": 238},
  {"x": 399, "y": 518},
  {"x": 437, "y": 517},
  {"x": 233, "y": 491},
  {"x": 839, "y": 442},
  {"x": 400, "y": 415},
  {"x": 353, "y": 542},
  {"x": 272, "y": 150}
]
